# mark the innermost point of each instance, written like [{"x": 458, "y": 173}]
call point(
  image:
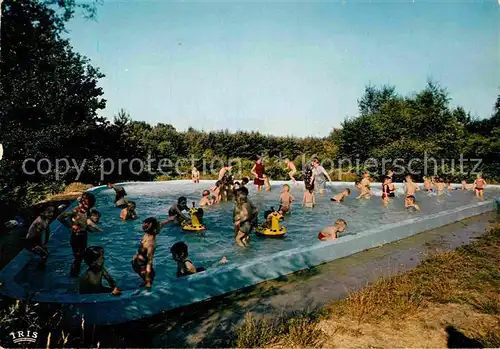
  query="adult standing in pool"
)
[
  {"x": 258, "y": 173},
  {"x": 320, "y": 176},
  {"x": 120, "y": 194}
]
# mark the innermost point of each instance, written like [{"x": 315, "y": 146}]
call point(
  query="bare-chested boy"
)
[
  {"x": 309, "y": 199},
  {"x": 206, "y": 200},
  {"x": 467, "y": 187},
  {"x": 286, "y": 200},
  {"x": 340, "y": 196},
  {"x": 245, "y": 216},
  {"x": 293, "y": 170},
  {"x": 439, "y": 184},
  {"x": 364, "y": 192},
  {"x": 33, "y": 240},
  {"x": 91, "y": 280},
  {"x": 427, "y": 184},
  {"x": 94, "y": 218},
  {"x": 365, "y": 182},
  {"x": 129, "y": 212},
  {"x": 410, "y": 186}
]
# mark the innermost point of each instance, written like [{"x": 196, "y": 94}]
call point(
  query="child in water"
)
[
  {"x": 386, "y": 189},
  {"x": 410, "y": 186},
  {"x": 309, "y": 199},
  {"x": 33, "y": 240},
  {"x": 364, "y": 192},
  {"x": 340, "y": 196},
  {"x": 332, "y": 232},
  {"x": 205, "y": 200},
  {"x": 439, "y": 184},
  {"x": 427, "y": 184},
  {"x": 95, "y": 217},
  {"x": 410, "y": 203},
  {"x": 129, "y": 213},
  {"x": 195, "y": 175},
  {"x": 91, "y": 280},
  {"x": 479, "y": 185},
  {"x": 286, "y": 200},
  {"x": 217, "y": 196},
  {"x": 184, "y": 266},
  {"x": 467, "y": 187},
  {"x": 267, "y": 184}
]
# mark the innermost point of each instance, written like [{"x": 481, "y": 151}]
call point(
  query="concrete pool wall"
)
[{"x": 134, "y": 304}]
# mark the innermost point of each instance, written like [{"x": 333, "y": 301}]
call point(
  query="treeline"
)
[{"x": 50, "y": 103}]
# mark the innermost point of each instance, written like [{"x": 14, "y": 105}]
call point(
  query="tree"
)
[{"x": 49, "y": 96}]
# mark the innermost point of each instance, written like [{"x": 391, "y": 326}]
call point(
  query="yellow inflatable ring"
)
[
  {"x": 275, "y": 233},
  {"x": 193, "y": 227}
]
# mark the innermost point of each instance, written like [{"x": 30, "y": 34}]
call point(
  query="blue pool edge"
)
[{"x": 135, "y": 304}]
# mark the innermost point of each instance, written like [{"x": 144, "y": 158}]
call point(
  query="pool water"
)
[{"x": 121, "y": 239}]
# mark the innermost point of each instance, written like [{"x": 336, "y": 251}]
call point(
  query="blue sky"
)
[{"x": 285, "y": 68}]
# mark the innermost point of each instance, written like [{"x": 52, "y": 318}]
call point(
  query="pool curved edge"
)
[{"x": 135, "y": 304}]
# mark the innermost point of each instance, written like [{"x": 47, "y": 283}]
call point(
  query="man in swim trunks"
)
[
  {"x": 120, "y": 194},
  {"x": 293, "y": 170},
  {"x": 320, "y": 176},
  {"x": 34, "y": 237},
  {"x": 178, "y": 212}
]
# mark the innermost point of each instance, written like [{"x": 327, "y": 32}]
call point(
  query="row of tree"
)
[{"x": 50, "y": 102}]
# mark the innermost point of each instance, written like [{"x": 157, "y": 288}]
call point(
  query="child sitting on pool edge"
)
[
  {"x": 340, "y": 196},
  {"x": 332, "y": 233},
  {"x": 184, "y": 266},
  {"x": 91, "y": 280}
]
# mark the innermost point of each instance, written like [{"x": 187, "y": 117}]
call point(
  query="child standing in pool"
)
[
  {"x": 365, "y": 183},
  {"x": 386, "y": 190},
  {"x": 309, "y": 199},
  {"x": 410, "y": 186},
  {"x": 427, "y": 184},
  {"x": 91, "y": 280},
  {"x": 142, "y": 263},
  {"x": 439, "y": 184},
  {"x": 286, "y": 200},
  {"x": 267, "y": 183},
  {"x": 479, "y": 185},
  {"x": 79, "y": 229},
  {"x": 129, "y": 212},
  {"x": 364, "y": 192},
  {"x": 332, "y": 233},
  {"x": 205, "y": 200},
  {"x": 184, "y": 266},
  {"x": 217, "y": 196},
  {"x": 340, "y": 196},
  {"x": 195, "y": 175},
  {"x": 34, "y": 237},
  {"x": 95, "y": 217}
]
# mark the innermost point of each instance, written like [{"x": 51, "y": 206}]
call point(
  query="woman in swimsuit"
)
[
  {"x": 258, "y": 173},
  {"x": 142, "y": 263}
]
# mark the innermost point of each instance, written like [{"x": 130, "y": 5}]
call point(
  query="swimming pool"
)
[{"x": 369, "y": 225}]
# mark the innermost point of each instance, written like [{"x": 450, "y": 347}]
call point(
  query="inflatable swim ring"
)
[
  {"x": 275, "y": 230},
  {"x": 196, "y": 224}
]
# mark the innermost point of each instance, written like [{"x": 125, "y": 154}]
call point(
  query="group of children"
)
[{"x": 85, "y": 218}]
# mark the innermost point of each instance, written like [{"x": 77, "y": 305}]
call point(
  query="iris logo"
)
[{"x": 20, "y": 337}]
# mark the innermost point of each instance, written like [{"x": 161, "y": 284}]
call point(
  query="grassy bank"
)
[{"x": 451, "y": 299}]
